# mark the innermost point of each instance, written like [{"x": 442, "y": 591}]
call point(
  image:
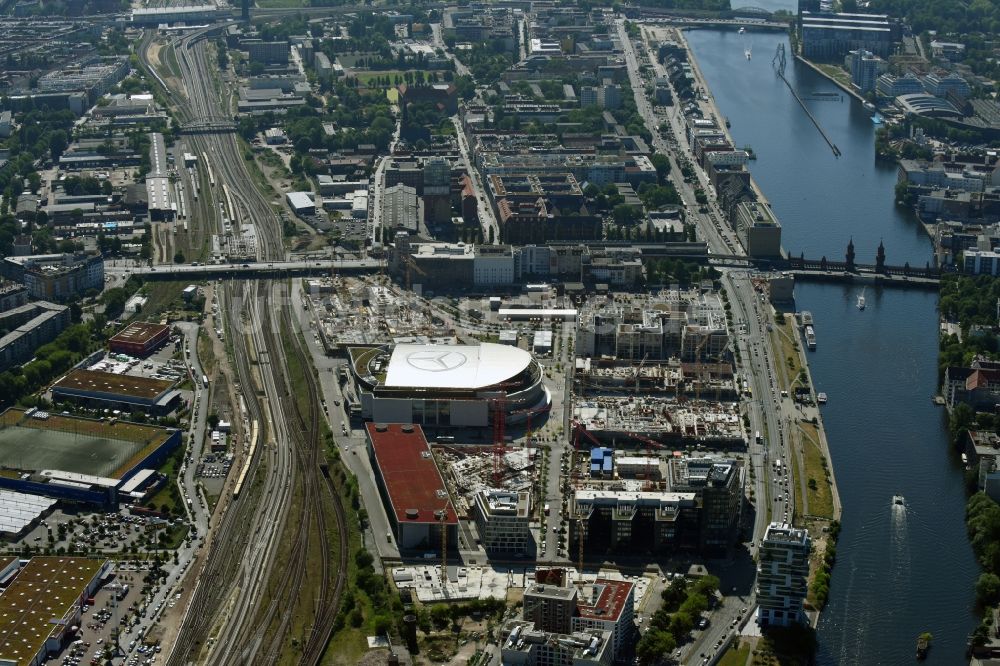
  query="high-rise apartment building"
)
[{"x": 782, "y": 573}]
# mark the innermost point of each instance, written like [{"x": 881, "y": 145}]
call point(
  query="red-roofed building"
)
[
  {"x": 608, "y": 605},
  {"x": 411, "y": 486},
  {"x": 605, "y": 604}
]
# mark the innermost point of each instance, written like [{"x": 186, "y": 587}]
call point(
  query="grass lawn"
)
[
  {"x": 168, "y": 496},
  {"x": 366, "y": 76},
  {"x": 820, "y": 498},
  {"x": 736, "y": 655},
  {"x": 835, "y": 72},
  {"x": 785, "y": 343}
]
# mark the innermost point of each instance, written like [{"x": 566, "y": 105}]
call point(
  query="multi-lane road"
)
[{"x": 768, "y": 412}]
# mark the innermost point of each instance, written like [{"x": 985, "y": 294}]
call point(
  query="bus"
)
[
  {"x": 757, "y": 437},
  {"x": 204, "y": 381}
]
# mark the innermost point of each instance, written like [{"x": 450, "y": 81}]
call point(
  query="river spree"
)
[{"x": 899, "y": 571}]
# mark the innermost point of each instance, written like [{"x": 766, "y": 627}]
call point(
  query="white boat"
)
[
  {"x": 747, "y": 53},
  {"x": 898, "y": 500},
  {"x": 821, "y": 398},
  {"x": 861, "y": 300},
  {"x": 742, "y": 30}
]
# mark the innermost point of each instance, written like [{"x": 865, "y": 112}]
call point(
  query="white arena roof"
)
[{"x": 454, "y": 366}]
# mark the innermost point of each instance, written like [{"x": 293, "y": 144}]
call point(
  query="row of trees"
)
[{"x": 683, "y": 605}]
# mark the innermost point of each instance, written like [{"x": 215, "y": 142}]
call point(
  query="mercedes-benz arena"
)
[{"x": 446, "y": 385}]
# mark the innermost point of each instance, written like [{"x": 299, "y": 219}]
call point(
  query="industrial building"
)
[
  {"x": 56, "y": 277},
  {"x": 828, "y": 36},
  {"x": 30, "y": 326},
  {"x": 414, "y": 494},
  {"x": 503, "y": 520},
  {"x": 77, "y": 459},
  {"x": 402, "y": 208},
  {"x": 139, "y": 339},
  {"x": 42, "y": 606},
  {"x": 159, "y": 188},
  {"x": 782, "y": 575},
  {"x": 108, "y": 390},
  {"x": 301, "y": 203},
  {"x": 446, "y": 385}
]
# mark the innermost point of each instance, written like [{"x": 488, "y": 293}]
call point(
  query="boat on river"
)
[
  {"x": 821, "y": 398},
  {"x": 861, "y": 300},
  {"x": 898, "y": 500}
]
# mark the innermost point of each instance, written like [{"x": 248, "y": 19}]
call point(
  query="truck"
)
[
  {"x": 546, "y": 509},
  {"x": 204, "y": 381},
  {"x": 122, "y": 592}
]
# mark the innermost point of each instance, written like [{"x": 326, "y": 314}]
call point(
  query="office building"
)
[
  {"x": 865, "y": 68},
  {"x": 782, "y": 573},
  {"x": 719, "y": 483},
  {"x": 940, "y": 86},
  {"x": 268, "y": 53},
  {"x": 981, "y": 262},
  {"x": 502, "y": 518},
  {"x": 758, "y": 230},
  {"x": 888, "y": 85}
]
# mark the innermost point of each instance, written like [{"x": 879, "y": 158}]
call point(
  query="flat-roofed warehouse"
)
[
  {"x": 116, "y": 391},
  {"x": 139, "y": 339},
  {"x": 43, "y": 603},
  {"x": 84, "y": 460},
  {"x": 410, "y": 485},
  {"x": 446, "y": 385}
]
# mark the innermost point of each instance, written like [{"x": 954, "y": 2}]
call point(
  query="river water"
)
[{"x": 900, "y": 571}]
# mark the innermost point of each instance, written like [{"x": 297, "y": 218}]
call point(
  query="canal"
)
[{"x": 899, "y": 571}]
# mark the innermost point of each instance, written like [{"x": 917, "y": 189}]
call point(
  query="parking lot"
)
[
  {"x": 108, "y": 532},
  {"x": 115, "y": 609}
]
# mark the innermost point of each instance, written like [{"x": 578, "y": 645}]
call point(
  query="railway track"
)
[{"x": 235, "y": 616}]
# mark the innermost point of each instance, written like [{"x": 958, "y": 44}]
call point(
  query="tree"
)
[
  {"x": 662, "y": 164},
  {"x": 653, "y": 646},
  {"x": 988, "y": 589},
  {"x": 680, "y": 625},
  {"x": 179, "y": 257},
  {"x": 674, "y": 595}
]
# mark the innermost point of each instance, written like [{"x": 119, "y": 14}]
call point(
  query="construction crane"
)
[
  {"x": 442, "y": 518},
  {"x": 578, "y": 430},
  {"x": 638, "y": 371},
  {"x": 411, "y": 265},
  {"x": 499, "y": 433}
]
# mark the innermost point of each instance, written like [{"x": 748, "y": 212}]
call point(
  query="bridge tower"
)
[
  {"x": 880, "y": 258},
  {"x": 850, "y": 255}
]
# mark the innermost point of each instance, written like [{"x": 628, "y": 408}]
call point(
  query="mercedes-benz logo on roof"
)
[{"x": 436, "y": 361}]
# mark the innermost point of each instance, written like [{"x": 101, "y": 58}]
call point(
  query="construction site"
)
[{"x": 658, "y": 422}]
